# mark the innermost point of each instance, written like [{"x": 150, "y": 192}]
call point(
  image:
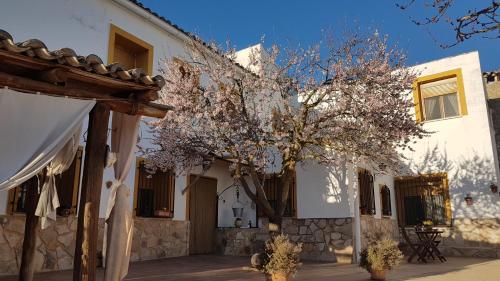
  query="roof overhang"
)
[{"x": 29, "y": 67}]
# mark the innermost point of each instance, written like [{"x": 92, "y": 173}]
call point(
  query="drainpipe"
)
[{"x": 357, "y": 221}]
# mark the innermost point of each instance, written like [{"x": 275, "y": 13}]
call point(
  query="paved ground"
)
[{"x": 218, "y": 268}]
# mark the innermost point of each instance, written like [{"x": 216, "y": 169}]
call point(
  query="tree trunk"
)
[
  {"x": 85, "y": 260},
  {"x": 260, "y": 199},
  {"x": 286, "y": 181},
  {"x": 27, "y": 269}
]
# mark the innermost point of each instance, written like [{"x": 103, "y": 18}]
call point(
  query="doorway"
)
[{"x": 202, "y": 215}]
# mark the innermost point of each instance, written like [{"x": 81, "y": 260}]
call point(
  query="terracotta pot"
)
[
  {"x": 468, "y": 200},
  {"x": 238, "y": 222},
  {"x": 277, "y": 277},
  {"x": 378, "y": 275}
]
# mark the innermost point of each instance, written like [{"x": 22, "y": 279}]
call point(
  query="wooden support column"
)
[
  {"x": 85, "y": 261},
  {"x": 27, "y": 269}
]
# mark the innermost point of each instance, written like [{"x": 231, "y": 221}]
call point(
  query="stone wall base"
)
[
  {"x": 466, "y": 237},
  {"x": 322, "y": 239},
  {"x": 153, "y": 238},
  {"x": 373, "y": 229},
  {"x": 472, "y": 238}
]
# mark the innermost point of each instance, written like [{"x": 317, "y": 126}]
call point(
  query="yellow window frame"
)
[
  {"x": 419, "y": 112},
  {"x": 114, "y": 30},
  {"x": 445, "y": 190}
]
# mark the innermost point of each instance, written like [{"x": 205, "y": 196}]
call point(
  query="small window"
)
[
  {"x": 129, "y": 50},
  {"x": 366, "y": 192},
  {"x": 273, "y": 187},
  {"x": 67, "y": 185},
  {"x": 439, "y": 96},
  {"x": 154, "y": 192},
  {"x": 385, "y": 200}
]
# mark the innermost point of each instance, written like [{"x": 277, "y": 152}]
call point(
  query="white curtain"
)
[
  {"x": 34, "y": 128},
  {"x": 119, "y": 220},
  {"x": 49, "y": 200}
]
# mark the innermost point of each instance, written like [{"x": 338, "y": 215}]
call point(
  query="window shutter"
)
[
  {"x": 12, "y": 200},
  {"x": 366, "y": 192}
]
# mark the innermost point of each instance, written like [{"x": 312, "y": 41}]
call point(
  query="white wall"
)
[
  {"x": 323, "y": 192},
  {"x": 463, "y": 146},
  {"x": 84, "y": 26},
  {"x": 330, "y": 192},
  {"x": 381, "y": 179},
  {"x": 220, "y": 171}
]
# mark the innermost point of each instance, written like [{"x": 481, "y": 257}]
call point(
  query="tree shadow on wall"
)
[
  {"x": 466, "y": 175},
  {"x": 332, "y": 180},
  {"x": 336, "y": 191},
  {"x": 474, "y": 227}
]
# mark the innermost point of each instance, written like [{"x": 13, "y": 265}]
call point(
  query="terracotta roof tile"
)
[
  {"x": 188, "y": 34},
  {"x": 66, "y": 56}
]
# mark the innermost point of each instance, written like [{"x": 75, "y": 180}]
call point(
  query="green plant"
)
[
  {"x": 283, "y": 256},
  {"x": 381, "y": 255},
  {"x": 427, "y": 223}
]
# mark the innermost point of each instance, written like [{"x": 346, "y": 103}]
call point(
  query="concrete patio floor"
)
[{"x": 221, "y": 268}]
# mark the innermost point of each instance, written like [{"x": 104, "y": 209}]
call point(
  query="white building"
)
[
  {"x": 169, "y": 222},
  {"x": 459, "y": 157}
]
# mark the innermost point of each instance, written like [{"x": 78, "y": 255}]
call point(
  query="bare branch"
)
[{"x": 483, "y": 21}]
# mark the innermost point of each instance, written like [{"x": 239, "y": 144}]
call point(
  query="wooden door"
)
[{"x": 202, "y": 215}]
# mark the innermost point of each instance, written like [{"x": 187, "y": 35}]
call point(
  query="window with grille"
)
[
  {"x": 385, "y": 200},
  {"x": 425, "y": 197},
  {"x": 273, "y": 188},
  {"x": 366, "y": 192},
  {"x": 67, "y": 185},
  {"x": 154, "y": 192}
]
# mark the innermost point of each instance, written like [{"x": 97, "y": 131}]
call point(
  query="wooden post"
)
[
  {"x": 85, "y": 261},
  {"x": 27, "y": 269}
]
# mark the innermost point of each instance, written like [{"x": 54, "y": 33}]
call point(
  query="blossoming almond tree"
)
[{"x": 337, "y": 100}]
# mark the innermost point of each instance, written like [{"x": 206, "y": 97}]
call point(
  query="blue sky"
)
[{"x": 302, "y": 22}]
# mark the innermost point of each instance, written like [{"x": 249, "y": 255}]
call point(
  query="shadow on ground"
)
[{"x": 223, "y": 268}]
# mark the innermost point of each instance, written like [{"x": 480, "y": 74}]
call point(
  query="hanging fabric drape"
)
[
  {"x": 34, "y": 129},
  {"x": 119, "y": 220},
  {"x": 49, "y": 200}
]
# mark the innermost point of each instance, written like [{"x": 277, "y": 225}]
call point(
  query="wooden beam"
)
[
  {"x": 55, "y": 75},
  {"x": 85, "y": 260},
  {"x": 147, "y": 96},
  {"x": 30, "y": 63},
  {"x": 27, "y": 269},
  {"x": 116, "y": 104}
]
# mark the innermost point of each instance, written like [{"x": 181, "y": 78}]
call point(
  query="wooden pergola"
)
[{"x": 30, "y": 67}]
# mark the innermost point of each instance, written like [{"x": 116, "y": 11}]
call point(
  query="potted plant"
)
[
  {"x": 427, "y": 224},
  {"x": 493, "y": 188},
  {"x": 238, "y": 222},
  {"x": 379, "y": 257},
  {"x": 163, "y": 213},
  {"x": 468, "y": 199},
  {"x": 283, "y": 258}
]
